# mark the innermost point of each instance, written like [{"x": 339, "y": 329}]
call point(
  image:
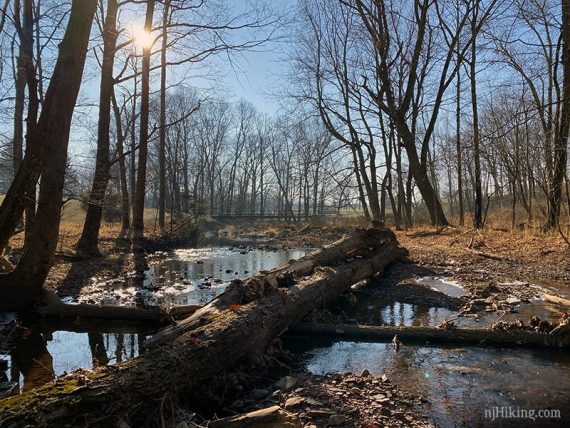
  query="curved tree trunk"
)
[{"x": 19, "y": 287}]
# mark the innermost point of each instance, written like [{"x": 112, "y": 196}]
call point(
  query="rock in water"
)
[{"x": 286, "y": 383}]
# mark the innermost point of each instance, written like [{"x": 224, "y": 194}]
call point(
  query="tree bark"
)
[
  {"x": 478, "y": 208},
  {"x": 222, "y": 337},
  {"x": 139, "y": 194},
  {"x": 87, "y": 245},
  {"x": 162, "y": 124},
  {"x": 562, "y": 132},
  {"x": 20, "y": 287},
  {"x": 433, "y": 334},
  {"x": 22, "y": 196},
  {"x": 459, "y": 150},
  {"x": 125, "y": 206}
]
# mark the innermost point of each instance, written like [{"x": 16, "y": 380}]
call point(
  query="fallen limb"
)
[
  {"x": 555, "y": 299},
  {"x": 489, "y": 255},
  {"x": 273, "y": 417},
  {"x": 108, "y": 312},
  {"x": 433, "y": 334},
  {"x": 133, "y": 389},
  {"x": 53, "y": 307}
]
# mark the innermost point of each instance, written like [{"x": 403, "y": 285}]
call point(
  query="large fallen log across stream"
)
[
  {"x": 433, "y": 334},
  {"x": 241, "y": 322}
]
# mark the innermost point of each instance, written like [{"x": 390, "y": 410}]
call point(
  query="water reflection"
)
[
  {"x": 458, "y": 383},
  {"x": 383, "y": 311},
  {"x": 192, "y": 276},
  {"x": 40, "y": 352},
  {"x": 35, "y": 356},
  {"x": 32, "y": 360}
]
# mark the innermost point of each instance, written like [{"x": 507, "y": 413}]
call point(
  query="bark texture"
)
[
  {"x": 46, "y": 155},
  {"x": 88, "y": 243},
  {"x": 433, "y": 334}
]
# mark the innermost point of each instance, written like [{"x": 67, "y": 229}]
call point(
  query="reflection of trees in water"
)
[
  {"x": 31, "y": 358},
  {"x": 98, "y": 350}
]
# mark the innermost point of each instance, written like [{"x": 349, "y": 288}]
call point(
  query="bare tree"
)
[{"x": 20, "y": 287}]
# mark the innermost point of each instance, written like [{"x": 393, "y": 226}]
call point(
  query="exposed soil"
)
[{"x": 343, "y": 400}]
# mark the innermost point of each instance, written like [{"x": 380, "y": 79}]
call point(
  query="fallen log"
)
[
  {"x": 551, "y": 298},
  {"x": 109, "y": 312},
  {"x": 361, "y": 243},
  {"x": 53, "y": 307},
  {"x": 432, "y": 334},
  {"x": 131, "y": 391}
]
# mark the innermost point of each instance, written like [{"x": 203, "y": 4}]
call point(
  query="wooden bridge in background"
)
[{"x": 230, "y": 216}]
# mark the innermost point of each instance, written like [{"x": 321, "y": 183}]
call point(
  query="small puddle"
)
[
  {"x": 524, "y": 311},
  {"x": 449, "y": 288},
  {"x": 379, "y": 311},
  {"x": 459, "y": 384}
]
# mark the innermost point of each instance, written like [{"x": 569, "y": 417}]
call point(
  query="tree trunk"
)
[
  {"x": 459, "y": 152},
  {"x": 88, "y": 242},
  {"x": 223, "y": 335},
  {"x": 19, "y": 288},
  {"x": 478, "y": 208},
  {"x": 433, "y": 334},
  {"x": 420, "y": 174},
  {"x": 19, "y": 97},
  {"x": 23, "y": 188},
  {"x": 125, "y": 206},
  {"x": 561, "y": 138},
  {"x": 139, "y": 194},
  {"x": 162, "y": 124}
]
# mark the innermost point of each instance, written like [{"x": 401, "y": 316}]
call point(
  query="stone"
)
[
  {"x": 336, "y": 420},
  {"x": 293, "y": 402},
  {"x": 312, "y": 402},
  {"x": 259, "y": 393},
  {"x": 320, "y": 413},
  {"x": 286, "y": 383},
  {"x": 365, "y": 373}
]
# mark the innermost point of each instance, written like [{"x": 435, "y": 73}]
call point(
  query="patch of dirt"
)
[
  {"x": 504, "y": 264},
  {"x": 343, "y": 400}
]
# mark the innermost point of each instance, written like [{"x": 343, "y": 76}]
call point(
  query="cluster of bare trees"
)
[
  {"x": 462, "y": 101},
  {"x": 186, "y": 33},
  {"x": 448, "y": 107},
  {"x": 230, "y": 159}
]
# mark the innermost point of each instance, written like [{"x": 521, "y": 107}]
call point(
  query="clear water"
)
[
  {"x": 394, "y": 313},
  {"x": 449, "y": 288},
  {"x": 42, "y": 352},
  {"x": 458, "y": 384},
  {"x": 192, "y": 276}
]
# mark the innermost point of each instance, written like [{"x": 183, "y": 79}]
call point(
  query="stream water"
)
[
  {"x": 456, "y": 385},
  {"x": 193, "y": 276}
]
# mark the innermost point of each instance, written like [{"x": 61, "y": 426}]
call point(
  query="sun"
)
[{"x": 141, "y": 37}]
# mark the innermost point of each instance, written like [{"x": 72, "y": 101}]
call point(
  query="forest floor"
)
[{"x": 498, "y": 270}]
